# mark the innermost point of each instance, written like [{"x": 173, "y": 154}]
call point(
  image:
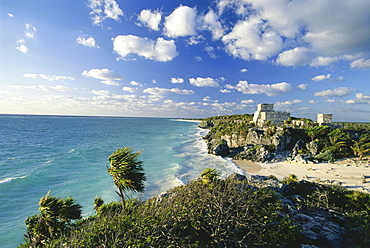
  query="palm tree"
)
[
  {"x": 55, "y": 216},
  {"x": 127, "y": 172},
  {"x": 208, "y": 175},
  {"x": 362, "y": 146},
  {"x": 55, "y": 211}
]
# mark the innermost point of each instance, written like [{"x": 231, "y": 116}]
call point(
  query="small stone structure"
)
[
  {"x": 324, "y": 118},
  {"x": 265, "y": 112},
  {"x": 299, "y": 123}
]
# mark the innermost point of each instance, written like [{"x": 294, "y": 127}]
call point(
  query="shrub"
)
[
  {"x": 290, "y": 179},
  {"x": 193, "y": 215},
  {"x": 327, "y": 155}
]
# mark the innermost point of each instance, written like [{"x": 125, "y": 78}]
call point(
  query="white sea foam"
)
[
  {"x": 49, "y": 161},
  {"x": 9, "y": 179},
  {"x": 186, "y": 120},
  {"x": 235, "y": 167},
  {"x": 6, "y": 180}
]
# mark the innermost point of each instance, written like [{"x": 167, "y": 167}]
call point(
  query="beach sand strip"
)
[{"x": 349, "y": 173}]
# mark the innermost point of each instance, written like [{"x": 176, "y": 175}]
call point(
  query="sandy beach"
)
[{"x": 350, "y": 173}]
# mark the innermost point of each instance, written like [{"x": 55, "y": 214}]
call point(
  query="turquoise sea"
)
[{"x": 68, "y": 155}]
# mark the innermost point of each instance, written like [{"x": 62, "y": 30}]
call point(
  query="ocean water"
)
[{"x": 69, "y": 156}]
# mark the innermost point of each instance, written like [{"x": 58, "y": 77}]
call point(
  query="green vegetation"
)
[
  {"x": 219, "y": 213},
  {"x": 54, "y": 218},
  {"x": 208, "y": 212},
  {"x": 332, "y": 142},
  {"x": 290, "y": 179},
  {"x": 363, "y": 127},
  {"x": 230, "y": 124},
  {"x": 127, "y": 172},
  {"x": 209, "y": 175},
  {"x": 337, "y": 143},
  {"x": 354, "y": 206},
  {"x": 361, "y": 147}
]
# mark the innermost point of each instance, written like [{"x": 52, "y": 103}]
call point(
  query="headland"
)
[{"x": 273, "y": 143}]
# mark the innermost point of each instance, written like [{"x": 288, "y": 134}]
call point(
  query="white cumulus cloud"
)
[
  {"x": 177, "y": 80},
  {"x": 361, "y": 64},
  {"x": 207, "y": 98},
  {"x": 247, "y": 101},
  {"x": 89, "y": 42},
  {"x": 362, "y": 96},
  {"x": 135, "y": 83},
  {"x": 160, "y": 50},
  {"x": 103, "y": 9},
  {"x": 164, "y": 91},
  {"x": 150, "y": 19},
  {"x": 203, "y": 82},
  {"x": 181, "y": 22},
  {"x": 211, "y": 22},
  {"x": 288, "y": 103},
  {"x": 129, "y": 89},
  {"x": 337, "y": 92},
  {"x": 22, "y": 46},
  {"x": 225, "y": 91},
  {"x": 249, "y": 39},
  {"x": 268, "y": 89},
  {"x": 323, "y": 61},
  {"x": 321, "y": 77},
  {"x": 302, "y": 86},
  {"x": 320, "y": 27},
  {"x": 109, "y": 77},
  {"x": 295, "y": 57}
]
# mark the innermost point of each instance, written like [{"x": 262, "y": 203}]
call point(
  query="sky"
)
[{"x": 185, "y": 59}]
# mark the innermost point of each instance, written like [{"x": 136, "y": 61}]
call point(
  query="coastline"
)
[{"x": 349, "y": 173}]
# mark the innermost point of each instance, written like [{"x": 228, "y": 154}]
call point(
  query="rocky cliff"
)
[{"x": 256, "y": 144}]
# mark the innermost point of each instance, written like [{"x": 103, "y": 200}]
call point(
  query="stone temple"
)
[
  {"x": 265, "y": 112},
  {"x": 324, "y": 118}
]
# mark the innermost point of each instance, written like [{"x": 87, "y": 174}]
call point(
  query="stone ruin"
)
[
  {"x": 265, "y": 112},
  {"x": 324, "y": 118}
]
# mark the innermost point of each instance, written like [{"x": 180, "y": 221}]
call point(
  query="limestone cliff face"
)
[
  {"x": 281, "y": 140},
  {"x": 255, "y": 144}
]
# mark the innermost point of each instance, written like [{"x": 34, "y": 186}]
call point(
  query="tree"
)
[
  {"x": 361, "y": 147},
  {"x": 209, "y": 175},
  {"x": 98, "y": 202},
  {"x": 55, "y": 217},
  {"x": 338, "y": 141},
  {"x": 318, "y": 132},
  {"x": 127, "y": 172}
]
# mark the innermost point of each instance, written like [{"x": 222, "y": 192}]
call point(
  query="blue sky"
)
[{"x": 185, "y": 58}]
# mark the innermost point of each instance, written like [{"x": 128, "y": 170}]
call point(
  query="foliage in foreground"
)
[
  {"x": 127, "y": 172},
  {"x": 55, "y": 217},
  {"x": 217, "y": 213}
]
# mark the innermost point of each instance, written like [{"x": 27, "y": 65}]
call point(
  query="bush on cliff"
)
[{"x": 221, "y": 213}]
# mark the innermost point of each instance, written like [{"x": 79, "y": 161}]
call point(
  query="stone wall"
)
[
  {"x": 324, "y": 118},
  {"x": 265, "y": 112}
]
